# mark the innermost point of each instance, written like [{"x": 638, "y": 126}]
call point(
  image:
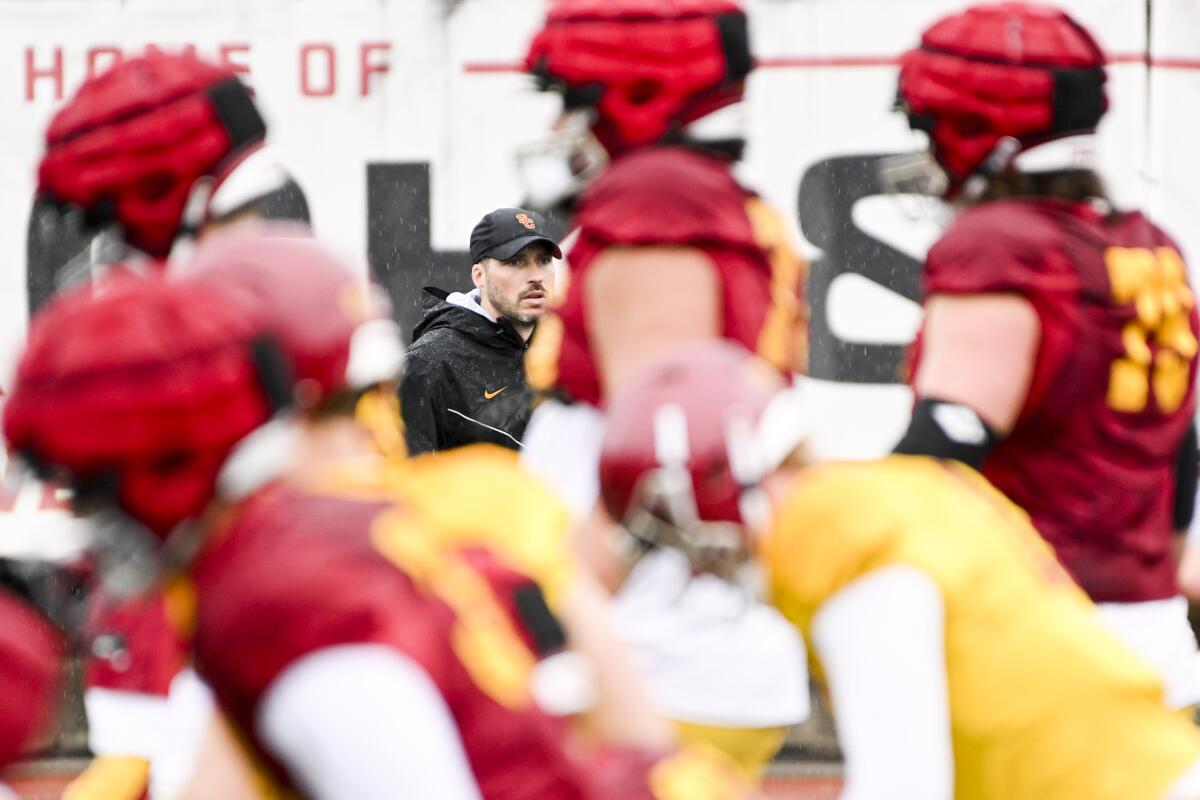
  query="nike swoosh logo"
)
[{"x": 489, "y": 395}]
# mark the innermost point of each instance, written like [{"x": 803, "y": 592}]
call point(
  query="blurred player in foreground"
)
[
  {"x": 666, "y": 247},
  {"x": 961, "y": 660},
  {"x": 143, "y": 159},
  {"x": 361, "y": 653},
  {"x": 476, "y": 495},
  {"x": 1058, "y": 349}
]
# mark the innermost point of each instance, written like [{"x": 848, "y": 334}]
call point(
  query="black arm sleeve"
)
[
  {"x": 1187, "y": 473},
  {"x": 947, "y": 430},
  {"x": 418, "y": 391}
]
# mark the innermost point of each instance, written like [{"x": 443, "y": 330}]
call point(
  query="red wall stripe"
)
[{"x": 850, "y": 61}]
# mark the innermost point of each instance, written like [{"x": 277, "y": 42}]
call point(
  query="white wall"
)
[{"x": 441, "y": 102}]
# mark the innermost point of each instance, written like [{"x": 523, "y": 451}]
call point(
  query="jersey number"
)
[{"x": 1159, "y": 345}]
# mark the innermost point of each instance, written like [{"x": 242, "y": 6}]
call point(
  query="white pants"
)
[
  {"x": 710, "y": 654},
  {"x": 1159, "y": 632},
  {"x": 1188, "y": 785},
  {"x": 166, "y": 731}
]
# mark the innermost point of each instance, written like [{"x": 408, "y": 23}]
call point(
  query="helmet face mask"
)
[
  {"x": 129, "y": 557},
  {"x": 556, "y": 169},
  {"x": 66, "y": 250},
  {"x": 688, "y": 446},
  {"x": 43, "y": 552},
  {"x": 107, "y": 252},
  {"x": 663, "y": 514},
  {"x": 917, "y": 173}
]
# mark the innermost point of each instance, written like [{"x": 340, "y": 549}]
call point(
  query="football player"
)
[
  {"x": 362, "y": 652},
  {"x": 961, "y": 659},
  {"x": 666, "y": 247},
  {"x": 143, "y": 158},
  {"x": 1058, "y": 348},
  {"x": 477, "y": 494},
  {"x": 142, "y": 703}
]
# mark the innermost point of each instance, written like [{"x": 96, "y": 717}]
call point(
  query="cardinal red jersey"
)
[
  {"x": 671, "y": 196},
  {"x": 1092, "y": 455},
  {"x": 135, "y": 644},
  {"x": 31, "y": 652},
  {"x": 295, "y": 573}
]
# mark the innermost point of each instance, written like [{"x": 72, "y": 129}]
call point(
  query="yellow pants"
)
[{"x": 751, "y": 749}]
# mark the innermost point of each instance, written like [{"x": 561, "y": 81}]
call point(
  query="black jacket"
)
[{"x": 464, "y": 379}]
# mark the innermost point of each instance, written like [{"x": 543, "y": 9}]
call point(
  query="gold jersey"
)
[
  {"x": 474, "y": 495},
  {"x": 1044, "y": 702}
]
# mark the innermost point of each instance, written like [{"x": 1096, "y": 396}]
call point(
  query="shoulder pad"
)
[
  {"x": 666, "y": 196},
  {"x": 1004, "y": 246}
]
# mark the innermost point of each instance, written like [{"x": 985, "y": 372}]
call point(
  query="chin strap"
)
[
  {"x": 998, "y": 160},
  {"x": 1070, "y": 153},
  {"x": 562, "y": 165}
]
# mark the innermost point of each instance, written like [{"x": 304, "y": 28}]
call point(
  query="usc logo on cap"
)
[{"x": 526, "y": 221}]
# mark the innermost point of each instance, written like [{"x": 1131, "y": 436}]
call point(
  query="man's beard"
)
[{"x": 510, "y": 311}]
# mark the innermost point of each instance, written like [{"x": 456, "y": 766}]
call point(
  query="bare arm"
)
[
  {"x": 1189, "y": 560},
  {"x": 979, "y": 351},
  {"x": 1189, "y": 570},
  {"x": 223, "y": 768},
  {"x": 642, "y": 301}
]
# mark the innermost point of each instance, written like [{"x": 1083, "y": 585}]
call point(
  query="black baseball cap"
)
[{"x": 507, "y": 231}]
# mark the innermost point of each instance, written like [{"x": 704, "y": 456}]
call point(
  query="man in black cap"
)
[{"x": 464, "y": 379}]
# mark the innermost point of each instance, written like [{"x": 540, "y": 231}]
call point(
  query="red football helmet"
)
[
  {"x": 136, "y": 395},
  {"x": 132, "y": 143},
  {"x": 646, "y": 67},
  {"x": 991, "y": 81},
  {"x": 324, "y": 318},
  {"x": 686, "y": 444}
]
